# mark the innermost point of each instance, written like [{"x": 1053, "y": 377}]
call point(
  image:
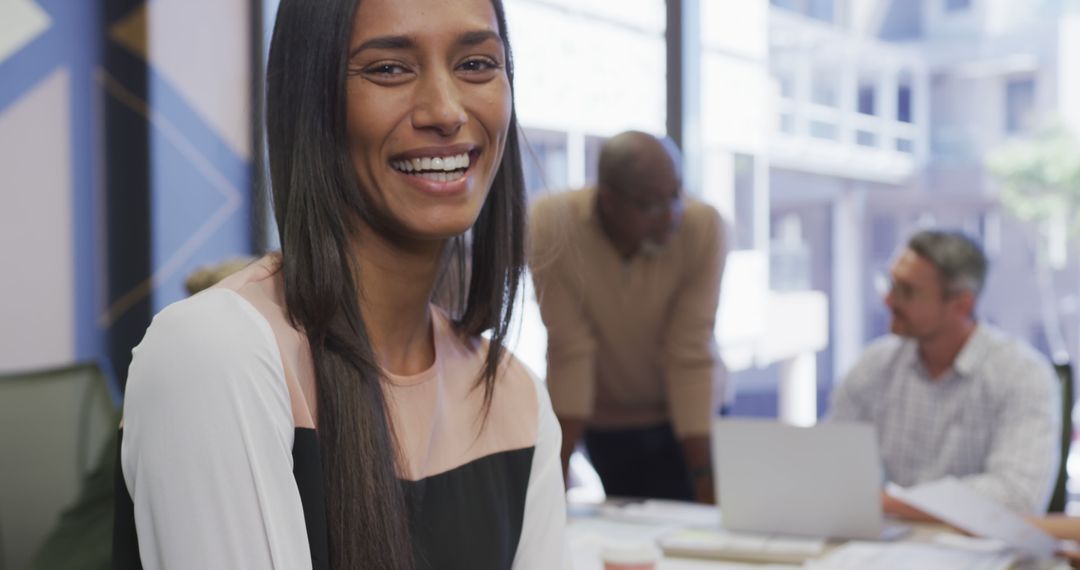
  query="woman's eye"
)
[
  {"x": 479, "y": 64},
  {"x": 390, "y": 69}
]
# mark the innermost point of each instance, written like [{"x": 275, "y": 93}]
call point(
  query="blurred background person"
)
[
  {"x": 951, "y": 395},
  {"x": 627, "y": 275}
]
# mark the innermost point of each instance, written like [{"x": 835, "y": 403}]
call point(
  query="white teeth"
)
[{"x": 444, "y": 164}]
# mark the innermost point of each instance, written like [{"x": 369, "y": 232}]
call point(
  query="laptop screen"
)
[{"x": 822, "y": 481}]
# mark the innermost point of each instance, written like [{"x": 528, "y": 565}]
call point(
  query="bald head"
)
[
  {"x": 639, "y": 191},
  {"x": 628, "y": 158}
]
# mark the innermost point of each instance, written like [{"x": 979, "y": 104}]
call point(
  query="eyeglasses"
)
[
  {"x": 885, "y": 285},
  {"x": 656, "y": 208}
]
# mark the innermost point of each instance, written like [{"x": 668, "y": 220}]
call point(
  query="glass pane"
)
[
  {"x": 1019, "y": 104},
  {"x": 957, "y": 5},
  {"x": 903, "y": 104},
  {"x": 823, "y": 10},
  {"x": 787, "y": 123},
  {"x": 823, "y": 130},
  {"x": 544, "y": 160},
  {"x": 866, "y": 99},
  {"x": 824, "y": 88},
  {"x": 592, "y": 157},
  {"x": 745, "y": 212}
]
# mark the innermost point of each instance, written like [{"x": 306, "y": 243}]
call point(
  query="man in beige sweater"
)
[{"x": 628, "y": 274}]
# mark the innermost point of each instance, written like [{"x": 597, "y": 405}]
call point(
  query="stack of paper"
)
[
  {"x": 959, "y": 506},
  {"x": 656, "y": 511},
  {"x": 906, "y": 556}
]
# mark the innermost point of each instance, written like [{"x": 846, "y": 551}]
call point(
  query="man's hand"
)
[
  {"x": 698, "y": 454},
  {"x": 1057, "y": 525},
  {"x": 1072, "y": 556},
  {"x": 572, "y": 431},
  {"x": 895, "y": 507}
]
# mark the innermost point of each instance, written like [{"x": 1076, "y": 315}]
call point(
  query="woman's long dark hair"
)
[{"x": 317, "y": 198}]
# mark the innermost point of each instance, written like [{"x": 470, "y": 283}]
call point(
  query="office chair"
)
[
  {"x": 53, "y": 425},
  {"x": 1060, "y": 496}
]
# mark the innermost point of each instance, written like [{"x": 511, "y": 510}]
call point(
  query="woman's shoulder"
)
[
  {"x": 211, "y": 313},
  {"x": 214, "y": 344},
  {"x": 212, "y": 328}
]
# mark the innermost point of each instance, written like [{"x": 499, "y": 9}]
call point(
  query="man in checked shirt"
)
[{"x": 952, "y": 396}]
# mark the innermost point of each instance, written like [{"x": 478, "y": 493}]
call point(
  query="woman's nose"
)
[{"x": 439, "y": 105}]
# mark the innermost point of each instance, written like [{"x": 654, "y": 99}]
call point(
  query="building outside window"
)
[
  {"x": 745, "y": 200},
  {"x": 903, "y": 103},
  {"x": 823, "y": 10},
  {"x": 1019, "y": 104},
  {"x": 957, "y": 5}
]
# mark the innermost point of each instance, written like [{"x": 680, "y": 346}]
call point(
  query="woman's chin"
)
[{"x": 440, "y": 229}]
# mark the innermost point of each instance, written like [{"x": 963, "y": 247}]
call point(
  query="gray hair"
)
[{"x": 958, "y": 258}]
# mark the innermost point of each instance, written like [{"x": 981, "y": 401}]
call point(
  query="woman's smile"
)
[{"x": 438, "y": 171}]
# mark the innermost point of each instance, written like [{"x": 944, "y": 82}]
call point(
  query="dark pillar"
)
[
  {"x": 684, "y": 86},
  {"x": 127, "y": 194}
]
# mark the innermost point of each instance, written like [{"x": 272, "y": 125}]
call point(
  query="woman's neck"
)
[{"x": 395, "y": 279}]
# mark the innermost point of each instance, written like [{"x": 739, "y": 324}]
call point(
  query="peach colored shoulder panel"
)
[
  {"x": 438, "y": 415},
  {"x": 260, "y": 284}
]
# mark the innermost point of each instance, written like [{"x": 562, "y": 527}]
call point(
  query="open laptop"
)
[{"x": 823, "y": 481}]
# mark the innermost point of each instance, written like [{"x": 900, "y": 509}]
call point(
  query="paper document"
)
[
  {"x": 907, "y": 555},
  {"x": 959, "y": 506},
  {"x": 657, "y": 511},
  {"x": 725, "y": 545}
]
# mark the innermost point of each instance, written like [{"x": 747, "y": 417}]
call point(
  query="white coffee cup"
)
[{"x": 630, "y": 556}]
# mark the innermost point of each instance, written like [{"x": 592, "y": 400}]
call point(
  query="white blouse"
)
[{"x": 212, "y": 407}]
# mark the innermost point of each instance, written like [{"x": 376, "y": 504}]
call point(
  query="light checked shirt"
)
[{"x": 993, "y": 420}]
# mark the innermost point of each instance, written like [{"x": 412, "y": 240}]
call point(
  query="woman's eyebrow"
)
[
  {"x": 385, "y": 42},
  {"x": 478, "y": 37},
  {"x": 405, "y": 42}
]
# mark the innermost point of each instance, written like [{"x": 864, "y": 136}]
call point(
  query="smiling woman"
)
[{"x": 317, "y": 409}]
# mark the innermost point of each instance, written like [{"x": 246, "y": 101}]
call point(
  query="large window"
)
[
  {"x": 544, "y": 160},
  {"x": 588, "y": 68}
]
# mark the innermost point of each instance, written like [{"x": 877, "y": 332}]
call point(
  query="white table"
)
[{"x": 593, "y": 527}]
